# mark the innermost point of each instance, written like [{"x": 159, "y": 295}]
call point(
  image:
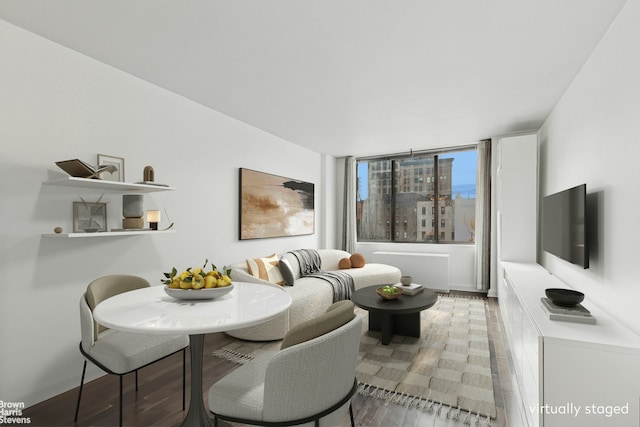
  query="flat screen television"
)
[{"x": 564, "y": 225}]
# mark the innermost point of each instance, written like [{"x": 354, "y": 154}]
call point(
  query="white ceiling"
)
[{"x": 341, "y": 76}]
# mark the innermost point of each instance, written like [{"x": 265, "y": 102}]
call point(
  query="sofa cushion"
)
[
  {"x": 337, "y": 314},
  {"x": 344, "y": 264},
  {"x": 357, "y": 260},
  {"x": 293, "y": 262},
  {"x": 266, "y": 268},
  {"x": 286, "y": 270}
]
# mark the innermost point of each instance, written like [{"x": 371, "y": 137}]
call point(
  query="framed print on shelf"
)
[
  {"x": 116, "y": 173},
  {"x": 274, "y": 206},
  {"x": 89, "y": 217}
]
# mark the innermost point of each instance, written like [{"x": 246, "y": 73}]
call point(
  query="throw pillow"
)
[
  {"x": 344, "y": 263},
  {"x": 286, "y": 270},
  {"x": 265, "y": 268},
  {"x": 338, "y": 314},
  {"x": 357, "y": 261}
]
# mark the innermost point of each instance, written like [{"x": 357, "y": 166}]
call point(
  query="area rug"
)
[{"x": 447, "y": 370}]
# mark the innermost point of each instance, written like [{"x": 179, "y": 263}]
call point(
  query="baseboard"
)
[{"x": 466, "y": 288}]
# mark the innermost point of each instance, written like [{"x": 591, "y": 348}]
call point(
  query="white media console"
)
[{"x": 568, "y": 374}]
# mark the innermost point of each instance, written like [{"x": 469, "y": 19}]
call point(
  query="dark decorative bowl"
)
[{"x": 564, "y": 297}]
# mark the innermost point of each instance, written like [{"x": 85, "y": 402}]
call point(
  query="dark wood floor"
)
[{"x": 158, "y": 401}]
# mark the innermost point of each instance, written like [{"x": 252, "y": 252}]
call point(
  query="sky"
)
[{"x": 464, "y": 174}]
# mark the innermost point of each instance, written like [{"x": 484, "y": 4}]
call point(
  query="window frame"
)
[{"x": 439, "y": 234}]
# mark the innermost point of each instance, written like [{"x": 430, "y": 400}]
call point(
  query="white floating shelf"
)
[
  {"x": 107, "y": 234},
  {"x": 99, "y": 184}
]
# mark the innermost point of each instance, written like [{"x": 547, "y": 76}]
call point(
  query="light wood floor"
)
[{"x": 158, "y": 401}]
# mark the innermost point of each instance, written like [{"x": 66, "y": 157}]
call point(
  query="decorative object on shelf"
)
[
  {"x": 57, "y": 230},
  {"x": 168, "y": 219},
  {"x": 89, "y": 217},
  {"x": 148, "y": 174},
  {"x": 79, "y": 169},
  {"x": 111, "y": 162},
  {"x": 94, "y": 185},
  {"x": 274, "y": 206},
  {"x": 389, "y": 292},
  {"x": 406, "y": 280},
  {"x": 564, "y": 297},
  {"x": 153, "y": 218},
  {"x": 132, "y": 211}
]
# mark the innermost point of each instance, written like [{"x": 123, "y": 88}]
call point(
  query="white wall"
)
[
  {"x": 592, "y": 137},
  {"x": 57, "y": 104}
]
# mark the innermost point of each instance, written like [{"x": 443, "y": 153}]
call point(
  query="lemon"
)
[
  {"x": 184, "y": 275},
  {"x": 196, "y": 271},
  {"x": 214, "y": 273},
  {"x": 175, "y": 283},
  {"x": 210, "y": 282},
  {"x": 197, "y": 282},
  {"x": 185, "y": 285},
  {"x": 224, "y": 281}
]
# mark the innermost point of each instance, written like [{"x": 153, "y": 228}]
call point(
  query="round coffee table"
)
[{"x": 400, "y": 316}]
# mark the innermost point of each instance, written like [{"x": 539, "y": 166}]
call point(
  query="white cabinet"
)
[
  {"x": 517, "y": 196},
  {"x": 97, "y": 184},
  {"x": 516, "y": 201},
  {"x": 569, "y": 374}
]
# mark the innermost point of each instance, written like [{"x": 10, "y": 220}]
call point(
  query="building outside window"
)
[{"x": 439, "y": 206}]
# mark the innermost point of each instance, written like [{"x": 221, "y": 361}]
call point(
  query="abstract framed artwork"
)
[
  {"x": 116, "y": 172},
  {"x": 89, "y": 217},
  {"x": 274, "y": 206}
]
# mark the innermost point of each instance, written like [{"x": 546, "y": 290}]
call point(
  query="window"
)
[{"x": 440, "y": 209}]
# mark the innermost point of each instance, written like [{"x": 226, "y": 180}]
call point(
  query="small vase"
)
[{"x": 132, "y": 206}]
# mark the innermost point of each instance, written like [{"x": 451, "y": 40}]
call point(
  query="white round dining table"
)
[{"x": 151, "y": 311}]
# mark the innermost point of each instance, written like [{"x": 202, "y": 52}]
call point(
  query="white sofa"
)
[{"x": 310, "y": 296}]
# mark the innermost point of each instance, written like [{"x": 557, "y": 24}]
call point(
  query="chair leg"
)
[
  {"x": 184, "y": 376},
  {"x": 120, "y": 400},
  {"x": 136, "y": 380},
  {"x": 84, "y": 369},
  {"x": 353, "y": 424}
]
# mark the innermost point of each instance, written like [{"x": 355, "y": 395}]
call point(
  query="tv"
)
[{"x": 564, "y": 225}]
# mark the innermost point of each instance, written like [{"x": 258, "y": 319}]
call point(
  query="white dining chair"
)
[
  {"x": 118, "y": 352},
  {"x": 311, "y": 379}
]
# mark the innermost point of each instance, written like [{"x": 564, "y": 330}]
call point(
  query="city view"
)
[{"x": 428, "y": 198}]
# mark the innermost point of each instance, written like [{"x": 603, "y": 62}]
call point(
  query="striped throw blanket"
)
[
  {"x": 341, "y": 282},
  {"x": 309, "y": 261}
]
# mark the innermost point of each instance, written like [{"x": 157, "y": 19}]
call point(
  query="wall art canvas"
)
[{"x": 274, "y": 206}]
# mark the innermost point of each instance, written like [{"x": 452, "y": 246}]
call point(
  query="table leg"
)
[
  {"x": 198, "y": 415},
  {"x": 383, "y": 322},
  {"x": 387, "y": 329},
  {"x": 407, "y": 324}
]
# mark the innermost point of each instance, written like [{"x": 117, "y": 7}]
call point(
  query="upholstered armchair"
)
[
  {"x": 311, "y": 379},
  {"x": 118, "y": 352}
]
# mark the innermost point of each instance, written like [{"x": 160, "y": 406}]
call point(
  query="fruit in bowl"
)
[
  {"x": 198, "y": 278},
  {"x": 389, "y": 292}
]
